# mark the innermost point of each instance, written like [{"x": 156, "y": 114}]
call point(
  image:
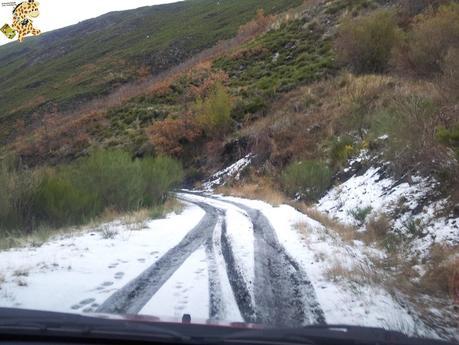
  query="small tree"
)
[
  {"x": 214, "y": 113},
  {"x": 365, "y": 43}
]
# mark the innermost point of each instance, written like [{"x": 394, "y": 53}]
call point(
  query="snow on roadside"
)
[
  {"x": 317, "y": 252},
  {"x": 239, "y": 231},
  {"x": 76, "y": 273},
  {"x": 190, "y": 286},
  {"x": 233, "y": 172},
  {"x": 380, "y": 194}
]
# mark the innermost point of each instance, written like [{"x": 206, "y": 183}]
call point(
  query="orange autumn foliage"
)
[{"x": 171, "y": 135}]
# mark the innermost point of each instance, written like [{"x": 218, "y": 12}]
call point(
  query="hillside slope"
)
[{"x": 67, "y": 67}]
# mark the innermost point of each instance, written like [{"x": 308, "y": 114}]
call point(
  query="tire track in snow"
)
[
  {"x": 223, "y": 302},
  {"x": 284, "y": 296},
  {"x": 236, "y": 279},
  {"x": 133, "y": 296},
  {"x": 283, "y": 293}
]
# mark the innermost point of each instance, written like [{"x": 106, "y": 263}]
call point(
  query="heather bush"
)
[
  {"x": 426, "y": 45},
  {"x": 365, "y": 43}
]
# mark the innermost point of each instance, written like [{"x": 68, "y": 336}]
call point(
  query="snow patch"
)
[
  {"x": 233, "y": 172},
  {"x": 406, "y": 202}
]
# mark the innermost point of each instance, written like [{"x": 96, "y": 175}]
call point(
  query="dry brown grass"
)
[
  {"x": 377, "y": 229},
  {"x": 139, "y": 216},
  {"x": 345, "y": 232},
  {"x": 263, "y": 189},
  {"x": 442, "y": 267},
  {"x": 356, "y": 274},
  {"x": 173, "y": 205},
  {"x": 303, "y": 228}
]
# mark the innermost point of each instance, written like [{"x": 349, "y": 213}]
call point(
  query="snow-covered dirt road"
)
[
  {"x": 277, "y": 292},
  {"x": 222, "y": 258}
]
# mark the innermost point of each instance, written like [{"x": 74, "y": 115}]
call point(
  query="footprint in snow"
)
[
  {"x": 119, "y": 275},
  {"x": 142, "y": 260},
  {"x": 105, "y": 284},
  {"x": 83, "y": 303},
  {"x": 113, "y": 265}
]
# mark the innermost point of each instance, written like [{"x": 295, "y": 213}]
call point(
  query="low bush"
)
[
  {"x": 365, "y": 43},
  {"x": 340, "y": 150},
  {"x": 360, "y": 214},
  {"x": 307, "y": 179},
  {"x": 441, "y": 269},
  {"x": 76, "y": 193},
  {"x": 449, "y": 80},
  {"x": 449, "y": 137},
  {"x": 411, "y": 123},
  {"x": 170, "y": 136},
  {"x": 378, "y": 228},
  {"x": 426, "y": 45}
]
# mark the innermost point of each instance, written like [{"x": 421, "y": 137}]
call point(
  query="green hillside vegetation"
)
[
  {"x": 77, "y": 193},
  {"x": 65, "y": 68}
]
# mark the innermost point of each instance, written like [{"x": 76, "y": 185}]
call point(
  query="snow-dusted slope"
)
[{"x": 407, "y": 204}]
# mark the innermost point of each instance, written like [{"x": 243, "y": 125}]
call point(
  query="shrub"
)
[
  {"x": 341, "y": 149},
  {"x": 426, "y": 45},
  {"x": 214, "y": 113},
  {"x": 309, "y": 179},
  {"x": 441, "y": 268},
  {"x": 112, "y": 176},
  {"x": 78, "y": 192},
  {"x": 411, "y": 123},
  {"x": 16, "y": 197},
  {"x": 169, "y": 137},
  {"x": 365, "y": 43},
  {"x": 449, "y": 81},
  {"x": 450, "y": 137},
  {"x": 159, "y": 175},
  {"x": 411, "y": 8},
  {"x": 58, "y": 202},
  {"x": 360, "y": 214}
]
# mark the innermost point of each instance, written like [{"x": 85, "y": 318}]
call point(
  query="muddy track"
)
[{"x": 283, "y": 295}]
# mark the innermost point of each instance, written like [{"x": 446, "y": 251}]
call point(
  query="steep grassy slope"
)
[{"x": 67, "y": 67}]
